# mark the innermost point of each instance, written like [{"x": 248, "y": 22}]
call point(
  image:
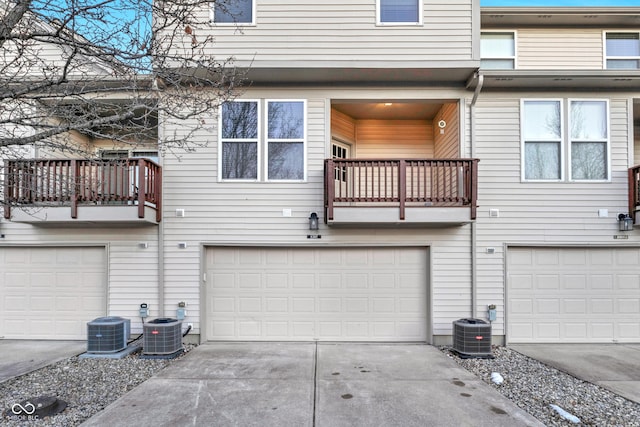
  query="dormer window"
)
[
  {"x": 498, "y": 50},
  {"x": 233, "y": 12},
  {"x": 623, "y": 51},
  {"x": 399, "y": 12}
]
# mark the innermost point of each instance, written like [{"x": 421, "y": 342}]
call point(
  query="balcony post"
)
[
  {"x": 633, "y": 192},
  {"x": 474, "y": 188},
  {"x": 329, "y": 188},
  {"x": 402, "y": 187},
  {"x": 8, "y": 184},
  {"x": 141, "y": 184},
  {"x": 74, "y": 188}
]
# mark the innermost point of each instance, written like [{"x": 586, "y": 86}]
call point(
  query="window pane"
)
[
  {"x": 541, "y": 120},
  {"x": 623, "y": 44},
  {"x": 542, "y": 160},
  {"x": 239, "y": 160},
  {"x": 497, "y": 64},
  {"x": 286, "y": 160},
  {"x": 286, "y": 120},
  {"x": 497, "y": 45},
  {"x": 399, "y": 11},
  {"x": 623, "y": 64},
  {"x": 589, "y": 120},
  {"x": 589, "y": 160},
  {"x": 240, "y": 120},
  {"x": 231, "y": 11}
]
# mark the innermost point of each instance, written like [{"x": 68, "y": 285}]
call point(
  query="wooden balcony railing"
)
[
  {"x": 72, "y": 183},
  {"x": 401, "y": 183},
  {"x": 634, "y": 191}
]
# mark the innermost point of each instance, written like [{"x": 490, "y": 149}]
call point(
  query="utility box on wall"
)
[{"x": 472, "y": 338}]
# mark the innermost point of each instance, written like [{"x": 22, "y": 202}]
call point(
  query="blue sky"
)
[{"x": 559, "y": 3}]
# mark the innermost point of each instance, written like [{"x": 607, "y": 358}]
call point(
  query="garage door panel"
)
[
  {"x": 49, "y": 292},
  {"x": 329, "y": 294},
  {"x": 595, "y": 301}
]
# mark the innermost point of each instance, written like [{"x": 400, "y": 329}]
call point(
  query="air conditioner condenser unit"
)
[
  {"x": 162, "y": 336},
  {"x": 108, "y": 334},
  {"x": 472, "y": 338}
]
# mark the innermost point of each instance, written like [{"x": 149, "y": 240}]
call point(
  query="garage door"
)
[
  {"x": 582, "y": 295},
  {"x": 51, "y": 293},
  {"x": 349, "y": 294}
]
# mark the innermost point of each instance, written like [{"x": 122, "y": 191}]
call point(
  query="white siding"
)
[
  {"x": 343, "y": 32},
  {"x": 132, "y": 271},
  {"x": 251, "y": 214},
  {"x": 559, "y": 49},
  {"x": 539, "y": 213}
]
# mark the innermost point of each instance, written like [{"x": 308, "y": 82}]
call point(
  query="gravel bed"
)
[
  {"x": 87, "y": 385},
  {"x": 534, "y": 386}
]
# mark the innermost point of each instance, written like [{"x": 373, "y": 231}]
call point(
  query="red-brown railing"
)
[
  {"x": 72, "y": 182},
  {"x": 634, "y": 191},
  {"x": 402, "y": 183}
]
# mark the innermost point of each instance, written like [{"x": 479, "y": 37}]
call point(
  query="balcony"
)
[
  {"x": 85, "y": 192},
  {"x": 634, "y": 193},
  {"x": 429, "y": 192}
]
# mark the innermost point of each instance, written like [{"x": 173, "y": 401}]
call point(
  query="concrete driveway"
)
[
  {"x": 309, "y": 384},
  {"x": 20, "y": 357},
  {"x": 615, "y": 367}
]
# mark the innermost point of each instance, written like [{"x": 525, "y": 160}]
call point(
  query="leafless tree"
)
[{"x": 73, "y": 72}]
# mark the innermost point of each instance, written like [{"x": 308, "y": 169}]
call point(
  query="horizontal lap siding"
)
[
  {"x": 251, "y": 214},
  {"x": 539, "y": 213},
  {"x": 346, "y": 31},
  {"x": 555, "y": 49},
  {"x": 132, "y": 271}
]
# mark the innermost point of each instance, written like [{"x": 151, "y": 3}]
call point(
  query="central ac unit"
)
[
  {"x": 108, "y": 334},
  {"x": 162, "y": 336},
  {"x": 472, "y": 338}
]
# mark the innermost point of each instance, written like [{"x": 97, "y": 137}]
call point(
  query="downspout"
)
[
  {"x": 161, "y": 228},
  {"x": 472, "y": 131}
]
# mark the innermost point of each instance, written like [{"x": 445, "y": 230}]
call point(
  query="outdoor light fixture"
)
[
  {"x": 313, "y": 221},
  {"x": 625, "y": 222}
]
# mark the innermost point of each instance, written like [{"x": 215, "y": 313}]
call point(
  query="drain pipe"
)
[{"x": 472, "y": 133}]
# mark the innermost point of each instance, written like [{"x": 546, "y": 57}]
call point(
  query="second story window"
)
[
  {"x": 399, "y": 12},
  {"x": 622, "y": 51},
  {"x": 498, "y": 50},
  {"x": 244, "y": 141},
  {"x": 233, "y": 12},
  {"x": 547, "y": 136}
]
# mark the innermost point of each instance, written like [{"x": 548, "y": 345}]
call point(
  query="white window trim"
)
[
  {"x": 233, "y": 24},
  {"x": 608, "y": 139},
  {"x": 262, "y": 142},
  {"x": 515, "y": 46},
  {"x": 265, "y": 145},
  {"x": 400, "y": 24},
  {"x": 256, "y": 140},
  {"x": 605, "y": 57},
  {"x": 562, "y": 141}
]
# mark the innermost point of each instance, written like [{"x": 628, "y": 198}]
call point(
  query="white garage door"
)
[
  {"x": 51, "y": 293},
  {"x": 582, "y": 295},
  {"x": 347, "y": 294}
]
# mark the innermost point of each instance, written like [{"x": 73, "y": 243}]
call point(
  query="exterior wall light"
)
[
  {"x": 313, "y": 221},
  {"x": 625, "y": 222}
]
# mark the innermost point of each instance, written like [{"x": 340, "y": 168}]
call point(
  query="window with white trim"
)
[
  {"x": 622, "y": 50},
  {"x": 233, "y": 12},
  {"x": 589, "y": 124},
  {"x": 399, "y": 12},
  {"x": 546, "y": 137},
  {"x": 282, "y": 142},
  {"x": 542, "y": 139},
  {"x": 498, "y": 50}
]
